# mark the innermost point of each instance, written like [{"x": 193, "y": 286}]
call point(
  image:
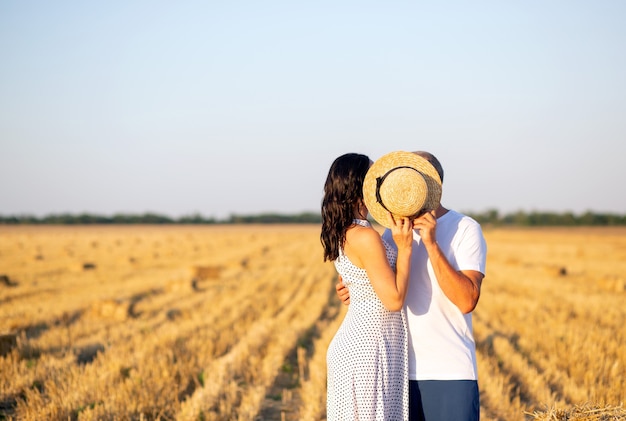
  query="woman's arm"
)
[{"x": 365, "y": 249}]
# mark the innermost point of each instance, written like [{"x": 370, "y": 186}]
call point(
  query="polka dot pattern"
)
[{"x": 367, "y": 359}]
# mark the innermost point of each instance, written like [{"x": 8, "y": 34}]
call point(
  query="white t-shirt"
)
[{"x": 441, "y": 339}]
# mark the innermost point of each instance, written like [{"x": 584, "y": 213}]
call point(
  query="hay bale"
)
[
  {"x": 556, "y": 271},
  {"x": 110, "y": 309},
  {"x": 203, "y": 273},
  {"x": 613, "y": 284}
]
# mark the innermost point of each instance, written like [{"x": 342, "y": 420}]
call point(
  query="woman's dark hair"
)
[{"x": 343, "y": 190}]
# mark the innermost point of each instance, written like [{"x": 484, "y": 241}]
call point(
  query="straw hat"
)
[{"x": 402, "y": 183}]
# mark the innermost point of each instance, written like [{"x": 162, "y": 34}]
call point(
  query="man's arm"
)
[
  {"x": 461, "y": 287},
  {"x": 342, "y": 291}
]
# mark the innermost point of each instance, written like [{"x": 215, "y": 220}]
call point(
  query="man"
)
[{"x": 447, "y": 269}]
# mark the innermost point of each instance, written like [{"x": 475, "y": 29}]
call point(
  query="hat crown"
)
[
  {"x": 402, "y": 191},
  {"x": 402, "y": 183}
]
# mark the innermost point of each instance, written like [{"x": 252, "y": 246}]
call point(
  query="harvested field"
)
[{"x": 232, "y": 322}]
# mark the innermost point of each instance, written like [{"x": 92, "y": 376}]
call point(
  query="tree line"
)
[
  {"x": 530, "y": 219},
  {"x": 155, "y": 218},
  {"x": 489, "y": 217}
]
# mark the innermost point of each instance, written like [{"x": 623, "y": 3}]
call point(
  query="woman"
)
[{"x": 367, "y": 358}]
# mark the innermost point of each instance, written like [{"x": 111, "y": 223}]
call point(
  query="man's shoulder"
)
[
  {"x": 454, "y": 216},
  {"x": 459, "y": 222}
]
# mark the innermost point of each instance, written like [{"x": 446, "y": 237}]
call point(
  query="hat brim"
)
[{"x": 394, "y": 160}]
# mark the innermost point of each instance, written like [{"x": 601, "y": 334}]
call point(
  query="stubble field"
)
[{"x": 232, "y": 322}]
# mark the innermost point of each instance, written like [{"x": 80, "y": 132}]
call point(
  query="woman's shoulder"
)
[{"x": 362, "y": 236}]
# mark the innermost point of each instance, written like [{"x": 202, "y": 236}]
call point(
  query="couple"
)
[{"x": 405, "y": 350}]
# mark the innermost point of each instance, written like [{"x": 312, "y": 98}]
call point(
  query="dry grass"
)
[
  {"x": 585, "y": 412},
  {"x": 233, "y": 322},
  {"x": 549, "y": 327}
]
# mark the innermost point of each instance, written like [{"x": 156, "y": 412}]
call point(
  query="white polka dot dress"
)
[{"x": 367, "y": 359}]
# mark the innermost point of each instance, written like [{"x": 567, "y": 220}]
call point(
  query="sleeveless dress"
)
[{"x": 367, "y": 359}]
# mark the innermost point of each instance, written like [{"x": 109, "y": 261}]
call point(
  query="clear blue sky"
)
[{"x": 241, "y": 106}]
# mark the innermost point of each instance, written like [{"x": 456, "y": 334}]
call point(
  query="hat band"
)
[{"x": 379, "y": 183}]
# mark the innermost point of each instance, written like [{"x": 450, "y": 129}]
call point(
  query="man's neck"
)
[{"x": 441, "y": 211}]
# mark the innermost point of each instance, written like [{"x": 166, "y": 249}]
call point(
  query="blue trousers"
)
[{"x": 444, "y": 400}]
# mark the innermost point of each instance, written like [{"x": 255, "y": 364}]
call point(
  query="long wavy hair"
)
[{"x": 343, "y": 191}]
